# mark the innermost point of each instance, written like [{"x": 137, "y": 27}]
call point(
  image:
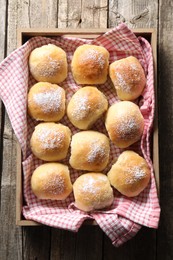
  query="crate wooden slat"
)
[{"x": 25, "y": 34}]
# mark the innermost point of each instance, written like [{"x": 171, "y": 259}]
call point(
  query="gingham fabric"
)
[{"x": 126, "y": 216}]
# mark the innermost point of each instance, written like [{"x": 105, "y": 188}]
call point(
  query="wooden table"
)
[{"x": 89, "y": 243}]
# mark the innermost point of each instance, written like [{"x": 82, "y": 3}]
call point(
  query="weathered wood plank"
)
[
  {"x": 94, "y": 14},
  {"x": 29, "y": 13},
  {"x": 69, "y": 14},
  {"x": 2, "y": 28},
  {"x": 140, "y": 247},
  {"x": 82, "y": 14},
  {"x": 86, "y": 244},
  {"x": 136, "y": 14},
  {"x": 89, "y": 243},
  {"x": 10, "y": 239},
  {"x": 165, "y": 95},
  {"x": 36, "y": 243},
  {"x": 63, "y": 244},
  {"x": 42, "y": 13},
  {"x": 12, "y": 25},
  {"x": 10, "y": 245},
  {"x": 11, "y": 236}
]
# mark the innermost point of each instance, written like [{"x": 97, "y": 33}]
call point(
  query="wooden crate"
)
[{"x": 24, "y": 35}]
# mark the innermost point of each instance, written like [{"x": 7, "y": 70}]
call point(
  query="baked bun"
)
[
  {"x": 89, "y": 151},
  {"x": 90, "y": 64},
  {"x": 46, "y": 102},
  {"x": 50, "y": 141},
  {"x": 51, "y": 181},
  {"x": 86, "y": 106},
  {"x": 128, "y": 78},
  {"x": 130, "y": 174},
  {"x": 48, "y": 63},
  {"x": 124, "y": 123},
  {"x": 92, "y": 191}
]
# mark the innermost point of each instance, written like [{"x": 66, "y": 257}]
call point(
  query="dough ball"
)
[
  {"x": 130, "y": 175},
  {"x": 89, "y": 151},
  {"x": 90, "y": 64},
  {"x": 86, "y": 106},
  {"x": 48, "y": 63},
  {"x": 92, "y": 191},
  {"x": 46, "y": 102},
  {"x": 124, "y": 123},
  {"x": 51, "y": 181},
  {"x": 128, "y": 78},
  {"x": 50, "y": 141}
]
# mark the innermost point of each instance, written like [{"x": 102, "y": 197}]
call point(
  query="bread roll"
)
[
  {"x": 46, "y": 102},
  {"x": 128, "y": 78},
  {"x": 89, "y": 151},
  {"x": 124, "y": 123},
  {"x": 92, "y": 191},
  {"x": 90, "y": 64},
  {"x": 130, "y": 174},
  {"x": 48, "y": 63},
  {"x": 86, "y": 106},
  {"x": 51, "y": 181},
  {"x": 50, "y": 141}
]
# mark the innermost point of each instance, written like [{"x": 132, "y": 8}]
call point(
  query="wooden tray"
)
[{"x": 24, "y": 35}]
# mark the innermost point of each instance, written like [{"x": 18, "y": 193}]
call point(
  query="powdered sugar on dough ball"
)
[
  {"x": 48, "y": 63},
  {"x": 50, "y": 141},
  {"x": 124, "y": 123},
  {"x": 92, "y": 191},
  {"x": 46, "y": 102},
  {"x": 128, "y": 78},
  {"x": 51, "y": 181},
  {"x": 90, "y": 64},
  {"x": 89, "y": 151},
  {"x": 86, "y": 106},
  {"x": 130, "y": 175}
]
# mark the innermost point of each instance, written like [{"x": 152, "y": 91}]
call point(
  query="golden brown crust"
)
[
  {"x": 130, "y": 174},
  {"x": 50, "y": 141},
  {"x": 90, "y": 64},
  {"x": 48, "y": 63},
  {"x": 89, "y": 151},
  {"x": 128, "y": 78},
  {"x": 51, "y": 181},
  {"x": 92, "y": 191},
  {"x": 46, "y": 102},
  {"x": 86, "y": 106},
  {"x": 124, "y": 123}
]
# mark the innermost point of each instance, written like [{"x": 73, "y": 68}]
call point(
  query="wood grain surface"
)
[
  {"x": 165, "y": 88},
  {"x": 89, "y": 243}
]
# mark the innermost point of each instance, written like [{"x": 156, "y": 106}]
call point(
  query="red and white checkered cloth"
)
[{"x": 126, "y": 216}]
